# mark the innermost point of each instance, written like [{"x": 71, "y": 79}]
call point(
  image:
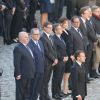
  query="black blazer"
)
[
  {"x": 91, "y": 33},
  {"x": 39, "y": 56},
  {"x": 78, "y": 42},
  {"x": 69, "y": 42},
  {"x": 60, "y": 47},
  {"x": 49, "y": 49},
  {"x": 84, "y": 31},
  {"x": 78, "y": 80},
  {"x": 23, "y": 62}
]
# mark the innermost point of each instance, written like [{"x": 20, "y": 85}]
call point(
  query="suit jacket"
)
[
  {"x": 60, "y": 47},
  {"x": 49, "y": 49},
  {"x": 23, "y": 62},
  {"x": 78, "y": 81},
  {"x": 69, "y": 43},
  {"x": 96, "y": 23},
  {"x": 91, "y": 33},
  {"x": 39, "y": 55},
  {"x": 78, "y": 41},
  {"x": 84, "y": 31}
]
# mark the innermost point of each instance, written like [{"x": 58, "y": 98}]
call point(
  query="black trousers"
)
[
  {"x": 88, "y": 60},
  {"x": 23, "y": 89},
  {"x": 36, "y": 86},
  {"x": 17, "y": 23},
  {"x": 58, "y": 72},
  {"x": 47, "y": 74},
  {"x": 71, "y": 8},
  {"x": 7, "y": 24}
]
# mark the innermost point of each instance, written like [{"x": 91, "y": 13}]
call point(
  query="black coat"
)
[
  {"x": 60, "y": 48},
  {"x": 49, "y": 49},
  {"x": 78, "y": 81},
  {"x": 23, "y": 62},
  {"x": 69, "y": 42},
  {"x": 91, "y": 34},
  {"x": 78, "y": 42}
]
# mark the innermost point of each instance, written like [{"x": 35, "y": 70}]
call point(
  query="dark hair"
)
[
  {"x": 74, "y": 17},
  {"x": 77, "y": 53},
  {"x": 62, "y": 20},
  {"x": 83, "y": 9},
  {"x": 55, "y": 26},
  {"x": 46, "y": 24}
]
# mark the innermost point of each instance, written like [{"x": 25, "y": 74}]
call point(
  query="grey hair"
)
[
  {"x": 21, "y": 34},
  {"x": 33, "y": 30}
]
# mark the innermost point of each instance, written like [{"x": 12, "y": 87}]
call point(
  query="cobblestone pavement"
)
[{"x": 7, "y": 82}]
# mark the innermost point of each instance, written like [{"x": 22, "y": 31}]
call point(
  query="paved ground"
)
[{"x": 7, "y": 82}]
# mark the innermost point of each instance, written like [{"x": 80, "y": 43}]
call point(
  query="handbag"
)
[{"x": 1, "y": 71}]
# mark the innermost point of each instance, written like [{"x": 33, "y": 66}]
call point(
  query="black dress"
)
[{"x": 69, "y": 49}]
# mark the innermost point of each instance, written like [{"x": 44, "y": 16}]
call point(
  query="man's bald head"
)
[{"x": 23, "y": 37}]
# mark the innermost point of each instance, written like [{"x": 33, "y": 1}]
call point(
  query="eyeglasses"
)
[{"x": 49, "y": 27}]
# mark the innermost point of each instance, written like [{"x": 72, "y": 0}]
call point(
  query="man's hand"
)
[
  {"x": 55, "y": 62},
  {"x": 3, "y": 7},
  {"x": 13, "y": 10},
  {"x": 79, "y": 97},
  {"x": 18, "y": 77},
  {"x": 72, "y": 57}
]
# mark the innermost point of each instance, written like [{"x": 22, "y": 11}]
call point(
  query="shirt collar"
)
[
  {"x": 47, "y": 34},
  {"x": 78, "y": 62},
  {"x": 83, "y": 20}
]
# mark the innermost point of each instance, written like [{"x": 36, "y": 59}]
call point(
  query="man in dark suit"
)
[
  {"x": 24, "y": 67},
  {"x": 38, "y": 50},
  {"x": 79, "y": 89},
  {"x": 77, "y": 37},
  {"x": 89, "y": 36},
  {"x": 58, "y": 70},
  {"x": 50, "y": 58}
]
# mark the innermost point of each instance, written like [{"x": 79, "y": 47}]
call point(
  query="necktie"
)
[
  {"x": 79, "y": 33},
  {"x": 62, "y": 40},
  {"x": 51, "y": 40},
  {"x": 30, "y": 51},
  {"x": 37, "y": 43}
]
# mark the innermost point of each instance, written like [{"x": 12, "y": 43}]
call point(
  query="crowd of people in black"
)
[{"x": 67, "y": 47}]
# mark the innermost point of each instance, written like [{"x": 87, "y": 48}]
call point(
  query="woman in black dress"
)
[{"x": 69, "y": 49}]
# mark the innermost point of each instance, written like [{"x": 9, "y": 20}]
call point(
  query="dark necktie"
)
[
  {"x": 79, "y": 33},
  {"x": 37, "y": 43},
  {"x": 51, "y": 39},
  {"x": 62, "y": 40}
]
